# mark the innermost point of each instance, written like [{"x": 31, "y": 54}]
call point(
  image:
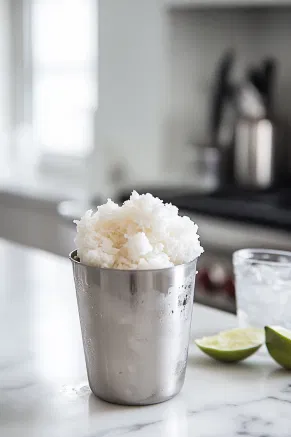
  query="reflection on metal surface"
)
[{"x": 135, "y": 326}]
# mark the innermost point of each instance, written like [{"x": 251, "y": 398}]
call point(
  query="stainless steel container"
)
[
  {"x": 135, "y": 327},
  {"x": 254, "y": 154}
]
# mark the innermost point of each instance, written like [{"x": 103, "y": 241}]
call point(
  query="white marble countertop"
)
[{"x": 43, "y": 384}]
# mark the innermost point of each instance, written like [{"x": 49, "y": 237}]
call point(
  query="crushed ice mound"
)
[{"x": 143, "y": 233}]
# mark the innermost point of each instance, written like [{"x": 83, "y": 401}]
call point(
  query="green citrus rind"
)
[
  {"x": 231, "y": 356},
  {"x": 279, "y": 345},
  {"x": 232, "y": 346}
]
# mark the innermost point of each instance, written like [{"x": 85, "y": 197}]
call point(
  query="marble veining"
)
[{"x": 43, "y": 385}]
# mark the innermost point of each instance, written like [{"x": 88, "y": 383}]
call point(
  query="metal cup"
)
[{"x": 135, "y": 327}]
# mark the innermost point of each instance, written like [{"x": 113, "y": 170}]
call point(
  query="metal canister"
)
[
  {"x": 254, "y": 153},
  {"x": 135, "y": 327}
]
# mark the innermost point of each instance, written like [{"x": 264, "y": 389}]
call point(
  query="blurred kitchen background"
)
[{"x": 190, "y": 100}]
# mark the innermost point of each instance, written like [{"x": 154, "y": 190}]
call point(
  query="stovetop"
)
[{"x": 272, "y": 208}]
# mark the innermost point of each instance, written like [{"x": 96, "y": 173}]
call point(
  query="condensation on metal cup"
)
[{"x": 135, "y": 327}]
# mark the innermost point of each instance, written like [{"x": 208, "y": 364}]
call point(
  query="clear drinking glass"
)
[{"x": 263, "y": 287}]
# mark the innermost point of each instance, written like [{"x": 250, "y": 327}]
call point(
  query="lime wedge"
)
[
  {"x": 278, "y": 342},
  {"x": 234, "y": 345}
]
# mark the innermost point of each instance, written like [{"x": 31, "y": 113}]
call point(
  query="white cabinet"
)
[{"x": 35, "y": 222}]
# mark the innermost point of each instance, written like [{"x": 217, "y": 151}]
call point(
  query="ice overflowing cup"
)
[{"x": 134, "y": 271}]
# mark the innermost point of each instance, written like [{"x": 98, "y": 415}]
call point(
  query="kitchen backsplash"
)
[
  {"x": 156, "y": 71},
  {"x": 198, "y": 38}
]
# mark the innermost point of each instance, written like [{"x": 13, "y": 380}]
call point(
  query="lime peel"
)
[
  {"x": 234, "y": 345},
  {"x": 278, "y": 342}
]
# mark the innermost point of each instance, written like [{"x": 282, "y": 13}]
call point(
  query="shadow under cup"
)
[
  {"x": 263, "y": 287},
  {"x": 135, "y": 327}
]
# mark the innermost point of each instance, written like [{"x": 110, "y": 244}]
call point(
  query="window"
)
[{"x": 64, "y": 75}]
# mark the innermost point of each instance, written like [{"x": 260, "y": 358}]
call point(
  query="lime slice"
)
[
  {"x": 278, "y": 342},
  {"x": 234, "y": 345}
]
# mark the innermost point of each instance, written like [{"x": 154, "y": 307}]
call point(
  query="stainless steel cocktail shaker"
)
[{"x": 135, "y": 328}]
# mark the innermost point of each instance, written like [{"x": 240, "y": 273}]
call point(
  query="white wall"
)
[
  {"x": 4, "y": 83},
  {"x": 35, "y": 223},
  {"x": 131, "y": 86}
]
